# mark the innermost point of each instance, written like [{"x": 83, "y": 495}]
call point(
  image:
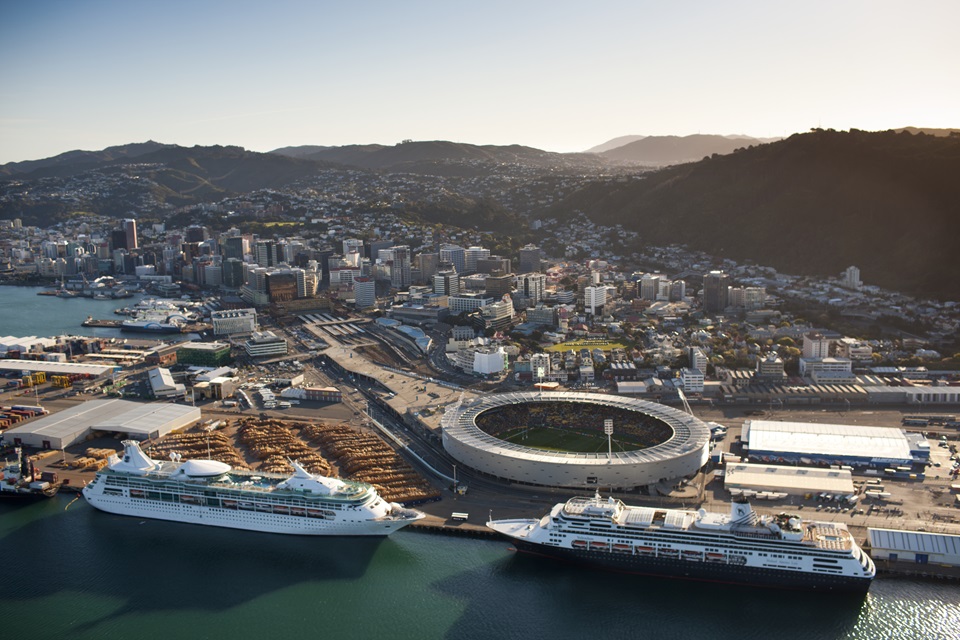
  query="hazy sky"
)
[{"x": 562, "y": 76}]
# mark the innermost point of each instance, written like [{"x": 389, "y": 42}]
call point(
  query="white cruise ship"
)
[
  {"x": 212, "y": 493},
  {"x": 742, "y": 547}
]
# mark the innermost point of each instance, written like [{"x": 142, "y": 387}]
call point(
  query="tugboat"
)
[{"x": 21, "y": 481}]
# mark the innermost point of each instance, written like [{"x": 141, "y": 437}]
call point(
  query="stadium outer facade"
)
[{"x": 682, "y": 454}]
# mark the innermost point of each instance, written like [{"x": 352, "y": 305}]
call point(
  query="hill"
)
[
  {"x": 170, "y": 175},
  {"x": 87, "y": 158},
  {"x": 614, "y": 143},
  {"x": 441, "y": 157},
  {"x": 661, "y": 150},
  {"x": 813, "y": 204}
]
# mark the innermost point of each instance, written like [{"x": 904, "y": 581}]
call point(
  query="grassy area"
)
[
  {"x": 605, "y": 345},
  {"x": 280, "y": 224},
  {"x": 562, "y": 440}
]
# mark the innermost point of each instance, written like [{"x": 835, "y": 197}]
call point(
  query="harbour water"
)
[
  {"x": 24, "y": 313},
  {"x": 73, "y": 572},
  {"x": 70, "y": 571}
]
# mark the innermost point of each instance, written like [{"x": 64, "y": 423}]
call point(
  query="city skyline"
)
[{"x": 554, "y": 76}]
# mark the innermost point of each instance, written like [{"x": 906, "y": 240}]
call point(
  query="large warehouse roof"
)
[
  {"x": 777, "y": 478},
  {"x": 826, "y": 439},
  {"x": 57, "y": 368},
  {"x": 117, "y": 416},
  {"x": 914, "y": 541}
]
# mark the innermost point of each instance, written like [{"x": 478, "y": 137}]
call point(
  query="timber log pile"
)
[
  {"x": 193, "y": 446},
  {"x": 367, "y": 458},
  {"x": 273, "y": 442}
]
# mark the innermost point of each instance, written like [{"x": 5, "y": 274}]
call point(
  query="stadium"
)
[{"x": 558, "y": 439}]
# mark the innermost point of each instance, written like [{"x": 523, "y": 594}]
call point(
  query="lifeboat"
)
[
  {"x": 136, "y": 493},
  {"x": 579, "y": 544},
  {"x": 622, "y": 548},
  {"x": 262, "y": 507},
  {"x": 188, "y": 499},
  {"x": 282, "y": 510},
  {"x": 599, "y": 546},
  {"x": 692, "y": 555},
  {"x": 646, "y": 551},
  {"x": 715, "y": 557},
  {"x": 230, "y": 504},
  {"x": 297, "y": 511},
  {"x": 667, "y": 552},
  {"x": 315, "y": 513},
  {"x": 245, "y": 505}
]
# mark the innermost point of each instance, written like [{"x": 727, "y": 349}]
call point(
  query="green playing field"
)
[{"x": 563, "y": 440}]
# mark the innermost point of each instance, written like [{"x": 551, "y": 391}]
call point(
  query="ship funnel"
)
[
  {"x": 134, "y": 460},
  {"x": 742, "y": 513}
]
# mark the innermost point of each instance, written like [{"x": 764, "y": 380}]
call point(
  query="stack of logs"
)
[
  {"x": 194, "y": 446},
  {"x": 369, "y": 459},
  {"x": 273, "y": 443}
]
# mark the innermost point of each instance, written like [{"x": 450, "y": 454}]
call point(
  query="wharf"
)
[
  {"x": 437, "y": 525},
  {"x": 92, "y": 322}
]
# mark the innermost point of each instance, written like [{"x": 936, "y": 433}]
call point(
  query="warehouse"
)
[
  {"x": 918, "y": 547},
  {"x": 831, "y": 444},
  {"x": 128, "y": 419},
  {"x": 792, "y": 481}
]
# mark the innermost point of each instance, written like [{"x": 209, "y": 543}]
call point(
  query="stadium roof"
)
[
  {"x": 825, "y": 439},
  {"x": 689, "y": 432}
]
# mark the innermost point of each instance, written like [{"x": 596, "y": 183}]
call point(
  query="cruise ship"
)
[
  {"x": 210, "y": 492},
  {"x": 740, "y": 548}
]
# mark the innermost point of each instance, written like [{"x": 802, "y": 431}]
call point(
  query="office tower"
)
[
  {"x": 715, "y": 285},
  {"x": 130, "y": 233}
]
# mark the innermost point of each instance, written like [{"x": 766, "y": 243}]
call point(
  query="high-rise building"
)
[
  {"x": 494, "y": 263},
  {"x": 233, "y": 247},
  {"x": 130, "y": 231},
  {"x": 851, "y": 278},
  {"x": 456, "y": 255},
  {"x": 428, "y": 263},
  {"x": 498, "y": 285},
  {"x": 698, "y": 359},
  {"x": 233, "y": 273},
  {"x": 533, "y": 286},
  {"x": 352, "y": 244},
  {"x": 446, "y": 283},
  {"x": 715, "y": 285},
  {"x": 265, "y": 253},
  {"x": 649, "y": 286},
  {"x": 195, "y": 233},
  {"x": 471, "y": 256},
  {"x": 816, "y": 345},
  {"x": 594, "y": 299},
  {"x": 398, "y": 257},
  {"x": 530, "y": 258},
  {"x": 365, "y": 292}
]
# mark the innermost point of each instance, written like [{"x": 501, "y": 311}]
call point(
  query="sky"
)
[{"x": 557, "y": 75}]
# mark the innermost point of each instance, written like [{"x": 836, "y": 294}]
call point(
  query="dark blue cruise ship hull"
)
[{"x": 700, "y": 570}]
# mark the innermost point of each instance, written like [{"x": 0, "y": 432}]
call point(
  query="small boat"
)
[
  {"x": 715, "y": 557},
  {"x": 297, "y": 511},
  {"x": 188, "y": 499},
  {"x": 692, "y": 555},
  {"x": 282, "y": 510},
  {"x": 598, "y": 546},
  {"x": 579, "y": 544},
  {"x": 230, "y": 504},
  {"x": 136, "y": 493},
  {"x": 646, "y": 551},
  {"x": 668, "y": 552},
  {"x": 622, "y": 548}
]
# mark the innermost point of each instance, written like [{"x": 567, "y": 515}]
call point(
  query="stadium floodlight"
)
[{"x": 608, "y": 429}]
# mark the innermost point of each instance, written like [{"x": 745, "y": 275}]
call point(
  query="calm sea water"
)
[
  {"x": 69, "y": 571},
  {"x": 24, "y": 313}
]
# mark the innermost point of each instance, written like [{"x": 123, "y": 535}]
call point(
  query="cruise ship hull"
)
[
  {"x": 243, "y": 518},
  {"x": 697, "y": 569}
]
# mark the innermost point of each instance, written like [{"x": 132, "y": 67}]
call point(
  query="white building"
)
[
  {"x": 162, "y": 384},
  {"x": 234, "y": 321},
  {"x": 594, "y": 299},
  {"x": 698, "y": 359},
  {"x": 815, "y": 345},
  {"x": 467, "y": 302},
  {"x": 365, "y": 292},
  {"x": 265, "y": 343},
  {"x": 918, "y": 547},
  {"x": 813, "y": 366},
  {"x": 851, "y": 278},
  {"x": 692, "y": 380}
]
